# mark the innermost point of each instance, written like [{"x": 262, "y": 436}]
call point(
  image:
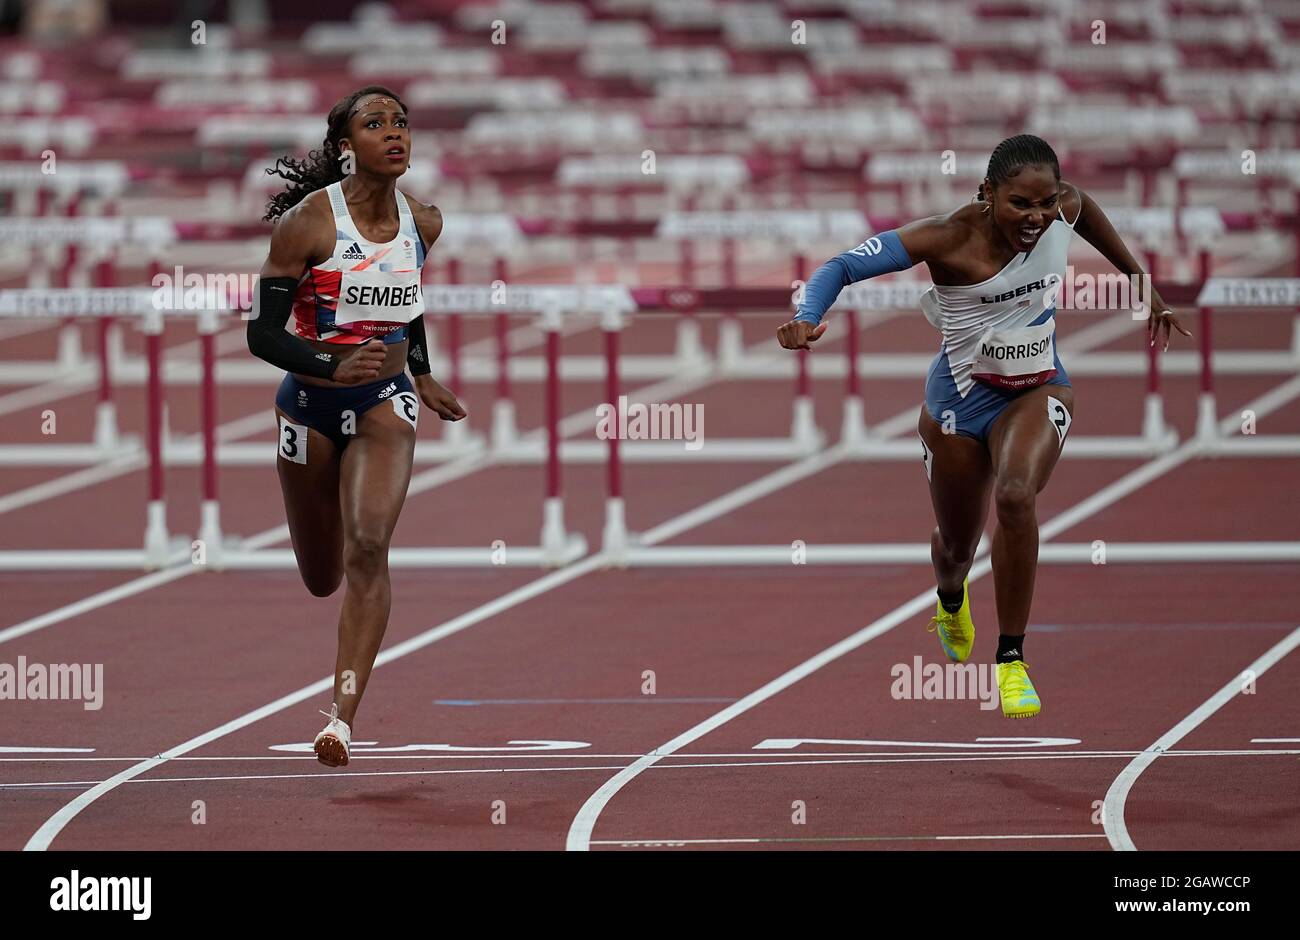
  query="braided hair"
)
[
  {"x": 322, "y": 167},
  {"x": 1013, "y": 155}
]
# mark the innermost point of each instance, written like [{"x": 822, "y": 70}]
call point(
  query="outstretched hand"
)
[
  {"x": 798, "y": 334},
  {"x": 1158, "y": 322}
]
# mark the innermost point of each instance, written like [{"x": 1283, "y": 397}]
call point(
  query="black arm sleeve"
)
[
  {"x": 417, "y": 349},
  {"x": 267, "y": 338}
]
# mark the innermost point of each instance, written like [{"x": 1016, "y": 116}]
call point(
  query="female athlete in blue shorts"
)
[
  {"x": 345, "y": 262},
  {"x": 998, "y": 403}
]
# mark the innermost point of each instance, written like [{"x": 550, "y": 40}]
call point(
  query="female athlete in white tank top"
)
[
  {"x": 345, "y": 260},
  {"x": 998, "y": 403}
]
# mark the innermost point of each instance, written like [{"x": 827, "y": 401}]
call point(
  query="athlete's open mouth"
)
[
  {"x": 1030, "y": 235},
  {"x": 396, "y": 153}
]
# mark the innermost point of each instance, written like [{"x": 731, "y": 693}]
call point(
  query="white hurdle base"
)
[
  {"x": 731, "y": 348},
  {"x": 901, "y": 553},
  {"x": 133, "y": 370},
  {"x": 1249, "y": 445},
  {"x": 919, "y": 553},
  {"x": 238, "y": 559},
  {"x": 504, "y": 430},
  {"x": 724, "y": 449},
  {"x": 559, "y": 546},
  {"x": 615, "y": 540},
  {"x": 872, "y": 447}
]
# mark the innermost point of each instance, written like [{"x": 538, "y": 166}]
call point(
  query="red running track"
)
[{"x": 1120, "y": 654}]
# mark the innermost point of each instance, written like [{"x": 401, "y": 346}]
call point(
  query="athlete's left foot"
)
[
  {"x": 1019, "y": 700},
  {"x": 333, "y": 743}
]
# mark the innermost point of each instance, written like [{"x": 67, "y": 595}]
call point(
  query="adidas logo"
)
[
  {"x": 354, "y": 253},
  {"x": 392, "y": 387}
]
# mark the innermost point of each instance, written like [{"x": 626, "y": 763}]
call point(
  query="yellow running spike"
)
[
  {"x": 1019, "y": 700},
  {"x": 956, "y": 631}
]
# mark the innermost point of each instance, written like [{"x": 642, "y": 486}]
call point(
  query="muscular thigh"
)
[
  {"x": 376, "y": 470},
  {"x": 1025, "y": 441},
  {"x": 959, "y": 475},
  {"x": 307, "y": 463}
]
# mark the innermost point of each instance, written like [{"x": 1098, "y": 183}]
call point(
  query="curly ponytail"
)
[{"x": 323, "y": 166}]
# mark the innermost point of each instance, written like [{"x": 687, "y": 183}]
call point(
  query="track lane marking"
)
[
  {"x": 1112, "y": 812},
  {"x": 580, "y": 831}
]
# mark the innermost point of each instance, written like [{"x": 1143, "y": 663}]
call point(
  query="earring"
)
[{"x": 987, "y": 207}]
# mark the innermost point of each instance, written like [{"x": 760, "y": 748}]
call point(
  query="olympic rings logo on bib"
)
[{"x": 1018, "y": 358}]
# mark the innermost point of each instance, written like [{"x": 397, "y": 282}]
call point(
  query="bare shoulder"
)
[
  {"x": 428, "y": 219},
  {"x": 305, "y": 219},
  {"x": 937, "y": 237},
  {"x": 304, "y": 235},
  {"x": 1072, "y": 199}
]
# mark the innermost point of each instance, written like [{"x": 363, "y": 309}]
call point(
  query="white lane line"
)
[
  {"x": 764, "y": 839},
  {"x": 321, "y": 775},
  {"x": 775, "y": 760},
  {"x": 729, "y": 765},
  {"x": 580, "y": 831},
  {"x": 46, "y": 392},
  {"x": 1112, "y": 813},
  {"x": 136, "y": 586},
  {"x": 70, "y": 482}
]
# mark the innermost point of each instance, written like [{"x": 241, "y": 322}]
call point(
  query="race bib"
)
[
  {"x": 381, "y": 300},
  {"x": 1019, "y": 358}
]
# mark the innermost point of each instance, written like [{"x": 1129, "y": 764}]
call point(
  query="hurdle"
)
[
  {"x": 214, "y": 550},
  {"x": 87, "y": 245},
  {"x": 1241, "y": 293}
]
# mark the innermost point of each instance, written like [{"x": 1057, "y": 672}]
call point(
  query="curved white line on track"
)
[
  {"x": 1112, "y": 811},
  {"x": 54, "y": 825},
  {"x": 580, "y": 831},
  {"x": 579, "y": 838}
]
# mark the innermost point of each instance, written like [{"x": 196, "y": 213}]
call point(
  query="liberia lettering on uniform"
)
[{"x": 1012, "y": 294}]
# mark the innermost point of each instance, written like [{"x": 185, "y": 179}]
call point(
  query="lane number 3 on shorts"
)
[{"x": 293, "y": 441}]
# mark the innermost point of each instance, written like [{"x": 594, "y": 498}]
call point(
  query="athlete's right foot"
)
[
  {"x": 1019, "y": 699},
  {"x": 956, "y": 631},
  {"x": 332, "y": 744}
]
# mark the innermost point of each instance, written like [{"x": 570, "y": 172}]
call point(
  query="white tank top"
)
[
  {"x": 365, "y": 289},
  {"x": 1002, "y": 331}
]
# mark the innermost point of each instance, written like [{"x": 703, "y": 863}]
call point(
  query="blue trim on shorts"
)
[
  {"x": 321, "y": 407},
  {"x": 975, "y": 414}
]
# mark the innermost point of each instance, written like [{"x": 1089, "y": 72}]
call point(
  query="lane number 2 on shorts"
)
[{"x": 1059, "y": 415}]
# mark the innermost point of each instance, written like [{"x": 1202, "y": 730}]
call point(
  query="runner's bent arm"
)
[{"x": 295, "y": 243}]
